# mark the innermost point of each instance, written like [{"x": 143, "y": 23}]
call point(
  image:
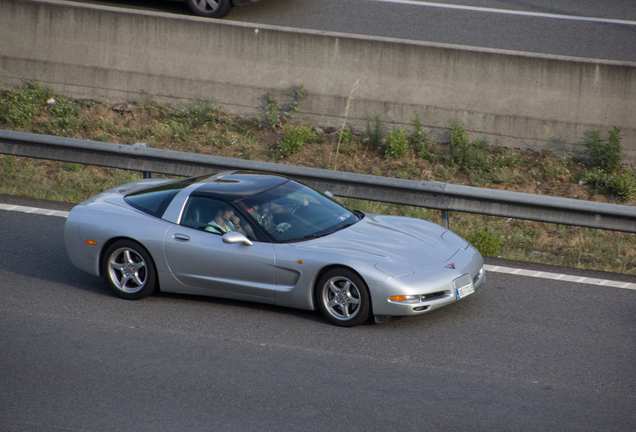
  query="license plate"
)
[{"x": 464, "y": 291}]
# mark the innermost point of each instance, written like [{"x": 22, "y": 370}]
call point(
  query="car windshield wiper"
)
[
  {"x": 345, "y": 226},
  {"x": 307, "y": 237}
]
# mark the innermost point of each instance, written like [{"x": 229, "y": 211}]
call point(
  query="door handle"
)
[{"x": 181, "y": 237}]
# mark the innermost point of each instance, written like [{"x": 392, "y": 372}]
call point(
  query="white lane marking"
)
[
  {"x": 558, "y": 276},
  {"x": 510, "y": 12},
  {"x": 34, "y": 210},
  {"x": 489, "y": 268}
]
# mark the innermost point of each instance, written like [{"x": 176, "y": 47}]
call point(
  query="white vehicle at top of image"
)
[{"x": 215, "y": 8}]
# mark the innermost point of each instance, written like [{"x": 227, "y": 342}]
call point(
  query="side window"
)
[
  {"x": 156, "y": 199},
  {"x": 215, "y": 216},
  {"x": 199, "y": 212},
  {"x": 154, "y": 203}
]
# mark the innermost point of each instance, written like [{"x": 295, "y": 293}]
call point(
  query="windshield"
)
[{"x": 293, "y": 212}]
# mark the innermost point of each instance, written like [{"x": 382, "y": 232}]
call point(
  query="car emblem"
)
[{"x": 450, "y": 266}]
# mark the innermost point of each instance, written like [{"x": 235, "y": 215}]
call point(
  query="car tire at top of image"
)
[{"x": 210, "y": 8}]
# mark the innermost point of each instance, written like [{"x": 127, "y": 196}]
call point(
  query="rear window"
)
[{"x": 155, "y": 200}]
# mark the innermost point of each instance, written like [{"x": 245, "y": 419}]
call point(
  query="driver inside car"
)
[{"x": 226, "y": 221}]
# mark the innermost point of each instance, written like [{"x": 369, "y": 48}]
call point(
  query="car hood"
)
[{"x": 396, "y": 245}]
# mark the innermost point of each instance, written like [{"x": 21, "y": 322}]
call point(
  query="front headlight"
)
[
  {"x": 419, "y": 298},
  {"x": 406, "y": 298}
]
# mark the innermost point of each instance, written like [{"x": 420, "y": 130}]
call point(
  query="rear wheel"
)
[
  {"x": 210, "y": 8},
  {"x": 343, "y": 298},
  {"x": 129, "y": 270}
]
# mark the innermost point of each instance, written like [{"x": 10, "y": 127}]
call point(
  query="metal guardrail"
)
[{"x": 434, "y": 195}]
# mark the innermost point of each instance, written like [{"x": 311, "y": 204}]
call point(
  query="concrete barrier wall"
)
[{"x": 520, "y": 99}]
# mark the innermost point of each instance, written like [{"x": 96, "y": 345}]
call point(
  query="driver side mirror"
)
[
  {"x": 236, "y": 237},
  {"x": 329, "y": 194}
]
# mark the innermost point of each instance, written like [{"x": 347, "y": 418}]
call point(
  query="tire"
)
[
  {"x": 210, "y": 8},
  {"x": 129, "y": 270},
  {"x": 343, "y": 298}
]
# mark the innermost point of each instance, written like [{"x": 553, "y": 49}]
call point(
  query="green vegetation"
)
[
  {"x": 300, "y": 95},
  {"x": 19, "y": 108},
  {"x": 605, "y": 156},
  {"x": 57, "y": 181},
  {"x": 195, "y": 114},
  {"x": 421, "y": 141},
  {"x": 347, "y": 144},
  {"x": 374, "y": 135},
  {"x": 621, "y": 184},
  {"x": 475, "y": 160},
  {"x": 406, "y": 152},
  {"x": 397, "y": 144},
  {"x": 607, "y": 175},
  {"x": 488, "y": 243},
  {"x": 294, "y": 139},
  {"x": 273, "y": 115}
]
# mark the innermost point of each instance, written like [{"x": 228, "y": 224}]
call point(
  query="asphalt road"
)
[
  {"x": 520, "y": 354},
  {"x": 557, "y": 33}
]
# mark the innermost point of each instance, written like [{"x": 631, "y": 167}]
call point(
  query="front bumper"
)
[{"x": 436, "y": 287}]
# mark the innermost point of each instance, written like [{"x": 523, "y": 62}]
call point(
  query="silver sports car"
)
[{"x": 265, "y": 238}]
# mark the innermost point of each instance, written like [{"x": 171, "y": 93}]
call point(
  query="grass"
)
[
  {"x": 57, "y": 181},
  {"x": 18, "y": 108},
  {"x": 406, "y": 152}
]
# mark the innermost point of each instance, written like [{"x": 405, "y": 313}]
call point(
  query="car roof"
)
[{"x": 238, "y": 185}]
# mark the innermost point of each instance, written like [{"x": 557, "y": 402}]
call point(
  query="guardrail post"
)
[
  {"x": 445, "y": 222},
  {"x": 145, "y": 174}
]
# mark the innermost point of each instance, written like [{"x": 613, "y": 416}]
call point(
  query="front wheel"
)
[
  {"x": 129, "y": 270},
  {"x": 210, "y": 8},
  {"x": 343, "y": 298}
]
